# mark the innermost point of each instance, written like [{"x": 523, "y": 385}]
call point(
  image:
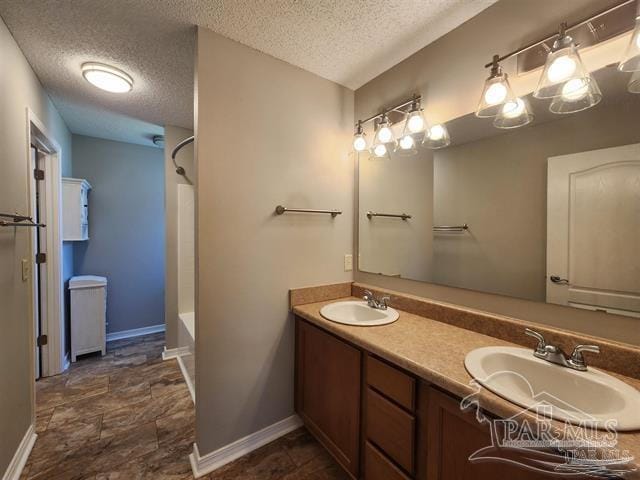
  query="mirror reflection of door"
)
[{"x": 593, "y": 230}]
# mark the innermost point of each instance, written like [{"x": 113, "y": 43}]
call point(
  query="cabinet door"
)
[
  {"x": 328, "y": 373},
  {"x": 453, "y": 435}
]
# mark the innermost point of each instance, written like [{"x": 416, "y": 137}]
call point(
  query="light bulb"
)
[
  {"x": 359, "y": 143},
  {"x": 380, "y": 150},
  {"x": 385, "y": 134},
  {"x": 575, "y": 89},
  {"x": 561, "y": 69},
  {"x": 513, "y": 109},
  {"x": 415, "y": 123},
  {"x": 495, "y": 94},
  {"x": 436, "y": 132},
  {"x": 407, "y": 142}
]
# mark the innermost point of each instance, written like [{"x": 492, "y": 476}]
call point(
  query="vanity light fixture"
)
[
  {"x": 359, "y": 139},
  {"x": 565, "y": 79},
  {"x": 383, "y": 140},
  {"x": 437, "y": 137},
  {"x": 106, "y": 77},
  {"x": 513, "y": 114},
  {"x": 415, "y": 122},
  {"x": 496, "y": 93},
  {"x": 631, "y": 60}
]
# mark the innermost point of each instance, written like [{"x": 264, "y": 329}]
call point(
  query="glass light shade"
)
[
  {"x": 407, "y": 145},
  {"x": 437, "y": 137},
  {"x": 379, "y": 150},
  {"x": 576, "y": 95},
  {"x": 634, "y": 83},
  {"x": 107, "y": 78},
  {"x": 563, "y": 65},
  {"x": 383, "y": 136},
  {"x": 631, "y": 59},
  {"x": 415, "y": 122},
  {"x": 495, "y": 94},
  {"x": 359, "y": 142},
  {"x": 513, "y": 114}
]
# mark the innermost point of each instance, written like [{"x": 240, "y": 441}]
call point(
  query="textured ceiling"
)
[{"x": 347, "y": 41}]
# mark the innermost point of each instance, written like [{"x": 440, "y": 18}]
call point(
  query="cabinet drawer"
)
[
  {"x": 378, "y": 467},
  {"x": 391, "y": 429},
  {"x": 390, "y": 381}
]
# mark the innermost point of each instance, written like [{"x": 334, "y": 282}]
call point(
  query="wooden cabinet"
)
[
  {"x": 453, "y": 435},
  {"x": 410, "y": 429},
  {"x": 328, "y": 386}
]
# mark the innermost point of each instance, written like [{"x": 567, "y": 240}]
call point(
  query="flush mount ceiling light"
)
[
  {"x": 513, "y": 114},
  {"x": 496, "y": 93},
  {"x": 631, "y": 60},
  {"x": 437, "y": 137},
  {"x": 359, "y": 139},
  {"x": 107, "y": 78}
]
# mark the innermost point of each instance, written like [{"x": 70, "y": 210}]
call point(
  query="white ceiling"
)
[{"x": 347, "y": 41}]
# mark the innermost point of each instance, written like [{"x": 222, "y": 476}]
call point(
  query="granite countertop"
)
[{"x": 435, "y": 351}]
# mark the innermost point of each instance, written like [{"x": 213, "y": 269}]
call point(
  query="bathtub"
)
[{"x": 186, "y": 341}]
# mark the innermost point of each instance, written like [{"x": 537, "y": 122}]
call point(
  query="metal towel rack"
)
[
  {"x": 18, "y": 221},
  {"x": 450, "y": 228},
  {"x": 280, "y": 210},
  {"x": 403, "y": 216}
]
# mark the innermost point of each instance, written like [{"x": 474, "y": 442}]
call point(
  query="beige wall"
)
[
  {"x": 505, "y": 249},
  {"x": 449, "y": 75},
  {"x": 19, "y": 90},
  {"x": 268, "y": 133},
  {"x": 172, "y": 136}
]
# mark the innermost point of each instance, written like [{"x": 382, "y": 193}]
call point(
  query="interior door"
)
[
  {"x": 593, "y": 230},
  {"x": 38, "y": 209}
]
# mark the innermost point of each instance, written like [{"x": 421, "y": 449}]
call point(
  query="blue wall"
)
[{"x": 126, "y": 228}]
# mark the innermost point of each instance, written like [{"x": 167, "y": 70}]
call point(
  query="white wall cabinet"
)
[{"x": 75, "y": 209}]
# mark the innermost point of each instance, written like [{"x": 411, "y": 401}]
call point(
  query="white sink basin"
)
[
  {"x": 588, "y": 398},
  {"x": 358, "y": 313}
]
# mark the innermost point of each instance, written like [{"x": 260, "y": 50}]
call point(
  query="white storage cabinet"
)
[
  {"x": 75, "y": 209},
  {"x": 88, "y": 315}
]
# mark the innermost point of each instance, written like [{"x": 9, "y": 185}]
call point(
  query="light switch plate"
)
[
  {"x": 348, "y": 263},
  {"x": 25, "y": 269}
]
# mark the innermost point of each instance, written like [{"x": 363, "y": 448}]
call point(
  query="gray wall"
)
[
  {"x": 449, "y": 75},
  {"x": 126, "y": 228},
  {"x": 19, "y": 90},
  {"x": 173, "y": 135},
  {"x": 268, "y": 133}
]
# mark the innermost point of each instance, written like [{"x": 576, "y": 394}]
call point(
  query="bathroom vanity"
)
[{"x": 386, "y": 401}]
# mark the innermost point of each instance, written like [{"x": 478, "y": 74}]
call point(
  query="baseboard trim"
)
[
  {"x": 202, "y": 465},
  {"x": 187, "y": 379},
  {"x": 169, "y": 353},
  {"x": 134, "y": 332},
  {"x": 14, "y": 470}
]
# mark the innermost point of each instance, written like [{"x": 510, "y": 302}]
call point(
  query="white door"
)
[{"x": 593, "y": 230}]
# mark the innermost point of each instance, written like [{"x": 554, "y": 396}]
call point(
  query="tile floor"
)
[{"x": 128, "y": 416}]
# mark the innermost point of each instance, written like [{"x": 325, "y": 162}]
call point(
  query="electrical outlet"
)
[
  {"x": 348, "y": 263},
  {"x": 26, "y": 269}
]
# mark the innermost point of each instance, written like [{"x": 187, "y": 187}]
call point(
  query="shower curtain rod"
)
[{"x": 180, "y": 170}]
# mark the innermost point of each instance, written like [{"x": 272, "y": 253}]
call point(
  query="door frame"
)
[{"x": 53, "y": 355}]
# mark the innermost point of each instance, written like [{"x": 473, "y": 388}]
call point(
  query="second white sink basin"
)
[
  {"x": 592, "y": 398},
  {"x": 353, "y": 312}
]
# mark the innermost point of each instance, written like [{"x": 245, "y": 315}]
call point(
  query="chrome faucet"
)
[
  {"x": 555, "y": 355},
  {"x": 373, "y": 302}
]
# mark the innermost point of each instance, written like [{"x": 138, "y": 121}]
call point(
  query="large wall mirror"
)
[{"x": 548, "y": 212}]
